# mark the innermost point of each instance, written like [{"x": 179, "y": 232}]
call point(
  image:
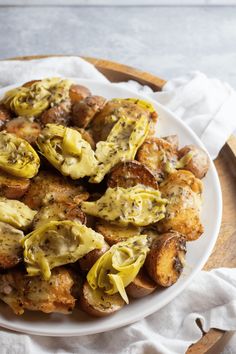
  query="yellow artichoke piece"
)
[
  {"x": 67, "y": 151},
  {"x": 32, "y": 101},
  {"x": 118, "y": 267},
  {"x": 138, "y": 205},
  {"x": 17, "y": 157},
  {"x": 57, "y": 243},
  {"x": 16, "y": 213},
  {"x": 122, "y": 143}
]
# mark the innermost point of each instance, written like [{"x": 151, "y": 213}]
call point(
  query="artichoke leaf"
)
[
  {"x": 57, "y": 243},
  {"x": 139, "y": 205},
  {"x": 118, "y": 267}
]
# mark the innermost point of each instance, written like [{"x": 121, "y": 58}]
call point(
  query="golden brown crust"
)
[
  {"x": 94, "y": 306},
  {"x": 141, "y": 286},
  {"x": 59, "y": 114},
  {"x": 157, "y": 154},
  {"x": 84, "y": 111},
  {"x": 115, "y": 233},
  {"x": 78, "y": 93},
  {"x": 13, "y": 187},
  {"x": 88, "y": 261},
  {"x": 130, "y": 173},
  {"x": 199, "y": 163},
  {"x": 165, "y": 261},
  {"x": 24, "y": 128}
]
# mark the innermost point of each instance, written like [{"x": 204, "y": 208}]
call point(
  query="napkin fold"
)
[{"x": 208, "y": 106}]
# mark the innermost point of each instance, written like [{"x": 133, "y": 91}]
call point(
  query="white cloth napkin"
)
[{"x": 208, "y": 106}]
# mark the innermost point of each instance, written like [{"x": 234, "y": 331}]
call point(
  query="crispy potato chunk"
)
[
  {"x": 183, "y": 191},
  {"x": 59, "y": 212},
  {"x": 78, "y": 93},
  {"x": 158, "y": 155},
  {"x": 130, "y": 173},
  {"x": 13, "y": 187},
  {"x": 48, "y": 187},
  {"x": 84, "y": 111},
  {"x": 141, "y": 286},
  {"x": 99, "y": 304},
  {"x": 11, "y": 251},
  {"x": 5, "y": 115},
  {"x": 199, "y": 163},
  {"x": 24, "y": 128},
  {"x": 59, "y": 114},
  {"x": 90, "y": 258},
  {"x": 165, "y": 261},
  {"x": 21, "y": 292},
  {"x": 115, "y": 233}
]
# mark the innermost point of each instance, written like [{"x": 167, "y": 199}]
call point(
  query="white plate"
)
[{"x": 198, "y": 251}]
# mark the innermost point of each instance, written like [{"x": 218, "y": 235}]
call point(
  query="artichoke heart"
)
[
  {"x": 122, "y": 143},
  {"x": 67, "y": 151},
  {"x": 17, "y": 157},
  {"x": 57, "y": 243},
  {"x": 138, "y": 205},
  {"x": 16, "y": 213},
  {"x": 118, "y": 267},
  {"x": 33, "y": 100}
]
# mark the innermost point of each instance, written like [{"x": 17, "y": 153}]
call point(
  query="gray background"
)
[{"x": 167, "y": 41}]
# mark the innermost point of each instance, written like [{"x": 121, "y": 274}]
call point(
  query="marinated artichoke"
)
[
  {"x": 138, "y": 205},
  {"x": 122, "y": 143},
  {"x": 118, "y": 267},
  {"x": 65, "y": 149},
  {"x": 33, "y": 100},
  {"x": 16, "y": 213},
  {"x": 17, "y": 157},
  {"x": 57, "y": 243}
]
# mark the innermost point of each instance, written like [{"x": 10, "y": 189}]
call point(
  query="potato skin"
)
[
  {"x": 84, "y": 111},
  {"x": 24, "y": 128},
  {"x": 78, "y": 93},
  {"x": 59, "y": 114},
  {"x": 141, "y": 286},
  {"x": 164, "y": 262},
  {"x": 199, "y": 163},
  {"x": 13, "y": 187},
  {"x": 130, "y": 173},
  {"x": 88, "y": 261},
  {"x": 90, "y": 305}
]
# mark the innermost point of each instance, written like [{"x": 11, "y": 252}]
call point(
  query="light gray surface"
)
[{"x": 166, "y": 41}]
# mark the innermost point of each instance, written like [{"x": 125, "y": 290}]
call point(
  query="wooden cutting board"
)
[{"x": 223, "y": 254}]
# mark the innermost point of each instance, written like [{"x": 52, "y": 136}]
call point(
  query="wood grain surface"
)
[{"x": 223, "y": 254}]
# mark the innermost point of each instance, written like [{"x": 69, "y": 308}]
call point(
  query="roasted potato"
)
[
  {"x": 141, "y": 286},
  {"x": 115, "y": 233},
  {"x": 59, "y": 212},
  {"x": 183, "y": 191},
  {"x": 158, "y": 155},
  {"x": 130, "y": 173},
  {"x": 21, "y": 292},
  {"x": 11, "y": 251},
  {"x": 78, "y": 93},
  {"x": 199, "y": 162},
  {"x": 84, "y": 111},
  {"x": 24, "y": 128},
  {"x": 59, "y": 114},
  {"x": 13, "y": 187},
  {"x": 48, "y": 187},
  {"x": 99, "y": 304},
  {"x": 165, "y": 261},
  {"x": 5, "y": 115},
  {"x": 90, "y": 258}
]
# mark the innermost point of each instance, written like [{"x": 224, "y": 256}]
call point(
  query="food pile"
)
[{"x": 94, "y": 208}]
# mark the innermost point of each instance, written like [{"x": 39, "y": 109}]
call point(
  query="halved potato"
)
[
  {"x": 199, "y": 162},
  {"x": 24, "y": 128},
  {"x": 59, "y": 114},
  {"x": 78, "y": 93},
  {"x": 13, "y": 187},
  {"x": 115, "y": 233},
  {"x": 141, "y": 286},
  {"x": 165, "y": 261},
  {"x": 11, "y": 251},
  {"x": 99, "y": 304},
  {"x": 84, "y": 111},
  {"x": 90, "y": 258},
  {"x": 130, "y": 173}
]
